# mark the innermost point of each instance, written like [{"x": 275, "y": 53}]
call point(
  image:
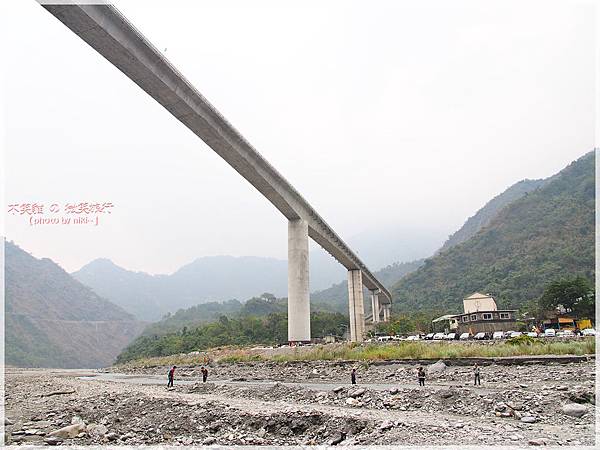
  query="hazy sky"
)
[{"x": 383, "y": 114}]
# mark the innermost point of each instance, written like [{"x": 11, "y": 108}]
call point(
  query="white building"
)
[{"x": 479, "y": 302}]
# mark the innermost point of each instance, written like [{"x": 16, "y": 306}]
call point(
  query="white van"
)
[
  {"x": 498, "y": 335},
  {"x": 549, "y": 332}
]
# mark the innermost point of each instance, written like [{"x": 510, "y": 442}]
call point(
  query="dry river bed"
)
[{"x": 308, "y": 403}]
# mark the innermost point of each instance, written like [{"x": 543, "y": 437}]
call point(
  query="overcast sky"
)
[{"x": 405, "y": 115}]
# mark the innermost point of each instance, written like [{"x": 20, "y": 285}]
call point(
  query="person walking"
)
[
  {"x": 353, "y": 376},
  {"x": 204, "y": 371},
  {"x": 421, "y": 375},
  {"x": 171, "y": 376},
  {"x": 476, "y": 371}
]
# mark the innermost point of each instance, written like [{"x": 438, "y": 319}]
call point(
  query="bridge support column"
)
[
  {"x": 375, "y": 306},
  {"x": 298, "y": 288},
  {"x": 357, "y": 309},
  {"x": 386, "y": 312}
]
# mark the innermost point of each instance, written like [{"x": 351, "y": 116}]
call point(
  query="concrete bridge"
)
[{"x": 107, "y": 31}]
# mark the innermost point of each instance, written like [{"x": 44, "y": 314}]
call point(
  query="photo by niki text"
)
[{"x": 77, "y": 213}]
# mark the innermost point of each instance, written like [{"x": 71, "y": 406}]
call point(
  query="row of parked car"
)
[{"x": 549, "y": 332}]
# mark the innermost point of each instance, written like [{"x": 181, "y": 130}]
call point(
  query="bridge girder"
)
[{"x": 107, "y": 31}]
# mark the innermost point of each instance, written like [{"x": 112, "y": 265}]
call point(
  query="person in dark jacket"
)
[
  {"x": 353, "y": 376},
  {"x": 171, "y": 376},
  {"x": 204, "y": 371},
  {"x": 476, "y": 372},
  {"x": 421, "y": 376}
]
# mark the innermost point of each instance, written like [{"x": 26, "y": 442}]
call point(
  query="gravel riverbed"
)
[{"x": 309, "y": 403}]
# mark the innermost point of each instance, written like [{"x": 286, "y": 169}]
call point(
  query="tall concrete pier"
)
[
  {"x": 375, "y": 306},
  {"x": 298, "y": 286},
  {"x": 356, "y": 306},
  {"x": 107, "y": 31},
  {"x": 386, "y": 313}
]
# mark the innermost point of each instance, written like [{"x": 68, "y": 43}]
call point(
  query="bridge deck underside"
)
[{"x": 111, "y": 35}]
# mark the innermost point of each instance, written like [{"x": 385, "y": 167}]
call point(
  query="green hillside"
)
[
  {"x": 545, "y": 235},
  {"x": 210, "y": 312},
  {"x": 258, "y": 321}
]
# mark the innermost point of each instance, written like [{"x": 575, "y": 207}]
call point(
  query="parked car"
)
[
  {"x": 480, "y": 336},
  {"x": 429, "y": 336},
  {"x": 498, "y": 335},
  {"x": 450, "y": 336},
  {"x": 413, "y": 338},
  {"x": 514, "y": 334},
  {"x": 589, "y": 332},
  {"x": 384, "y": 338},
  {"x": 438, "y": 336},
  {"x": 568, "y": 333},
  {"x": 549, "y": 332},
  {"x": 508, "y": 334},
  {"x": 465, "y": 336},
  {"x": 532, "y": 334}
]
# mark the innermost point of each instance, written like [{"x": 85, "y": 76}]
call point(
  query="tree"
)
[
  {"x": 575, "y": 294},
  {"x": 586, "y": 307}
]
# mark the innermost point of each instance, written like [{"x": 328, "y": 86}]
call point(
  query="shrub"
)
[{"x": 522, "y": 340}]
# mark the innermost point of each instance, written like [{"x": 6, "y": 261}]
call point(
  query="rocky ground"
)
[{"x": 306, "y": 403}]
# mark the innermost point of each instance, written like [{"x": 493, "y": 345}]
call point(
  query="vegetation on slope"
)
[
  {"x": 247, "y": 330},
  {"x": 533, "y": 241}
]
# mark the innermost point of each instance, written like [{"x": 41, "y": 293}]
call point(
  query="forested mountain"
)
[
  {"x": 538, "y": 238},
  {"x": 392, "y": 274},
  {"x": 53, "y": 320},
  {"x": 485, "y": 215}
]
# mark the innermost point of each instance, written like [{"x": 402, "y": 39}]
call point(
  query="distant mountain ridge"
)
[
  {"x": 206, "y": 279},
  {"x": 538, "y": 238},
  {"x": 223, "y": 278},
  {"x": 53, "y": 320}
]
